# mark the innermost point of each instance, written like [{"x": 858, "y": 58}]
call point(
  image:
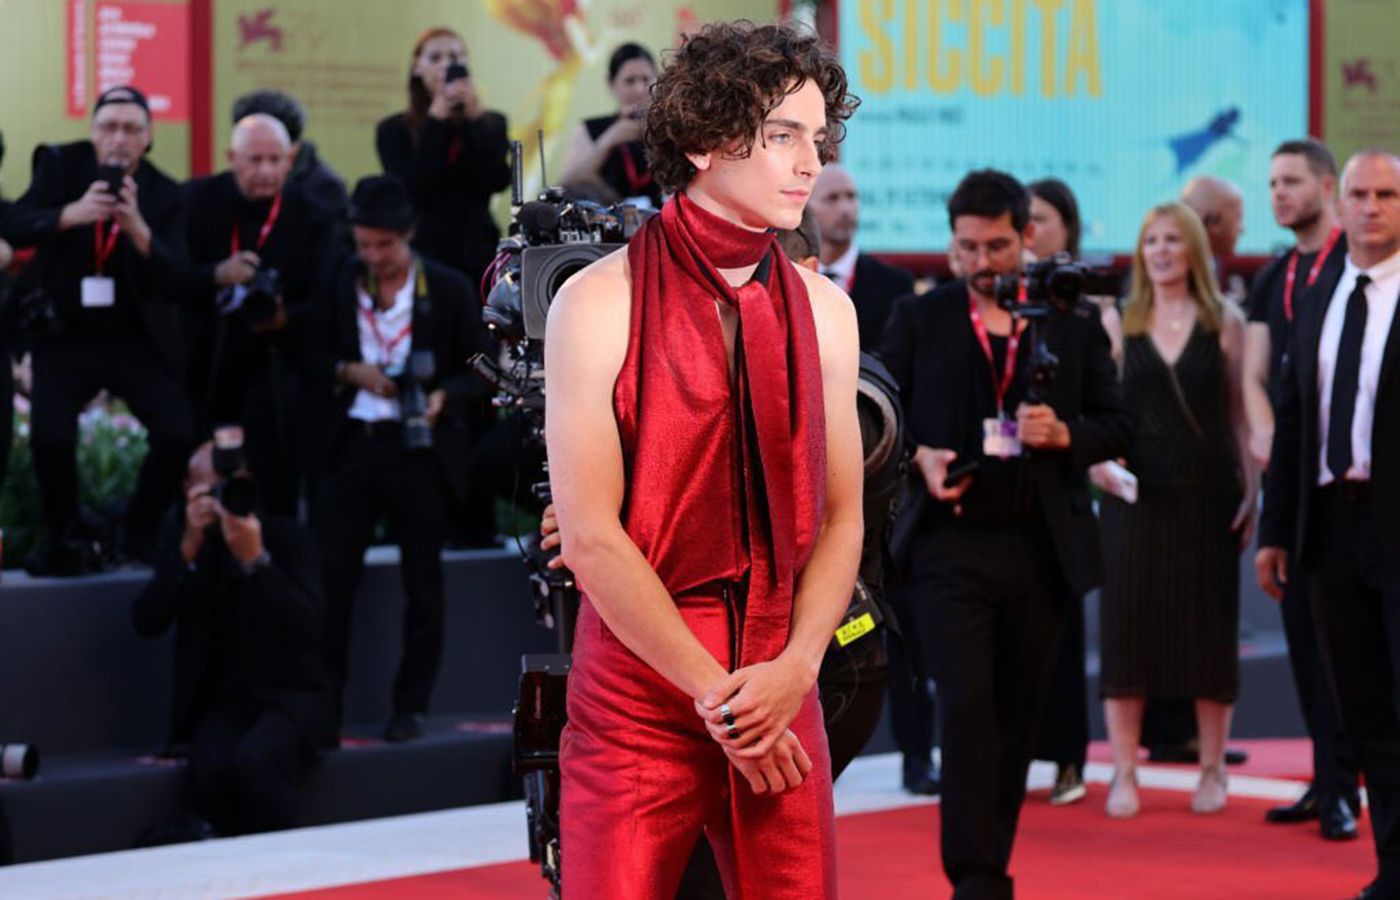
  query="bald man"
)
[
  {"x": 245, "y": 224},
  {"x": 1221, "y": 208},
  {"x": 871, "y": 284}
]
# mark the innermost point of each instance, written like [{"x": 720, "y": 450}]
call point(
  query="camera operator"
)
[
  {"x": 258, "y": 248},
  {"x": 243, "y": 590},
  {"x": 451, "y": 153},
  {"x": 394, "y": 333},
  {"x": 110, "y": 235},
  {"x": 309, "y": 172},
  {"x": 610, "y": 148},
  {"x": 998, "y": 548}
]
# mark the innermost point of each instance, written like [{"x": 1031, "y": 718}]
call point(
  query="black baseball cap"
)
[{"x": 123, "y": 93}]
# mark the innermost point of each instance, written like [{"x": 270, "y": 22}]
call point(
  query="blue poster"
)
[{"x": 1125, "y": 100}]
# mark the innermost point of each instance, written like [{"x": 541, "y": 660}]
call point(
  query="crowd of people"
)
[{"x": 314, "y": 342}]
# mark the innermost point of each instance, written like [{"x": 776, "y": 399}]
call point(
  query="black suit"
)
[
  {"x": 371, "y": 474},
  {"x": 873, "y": 291},
  {"x": 137, "y": 347},
  {"x": 986, "y": 588},
  {"x": 1345, "y": 540},
  {"x": 251, "y": 695},
  {"x": 242, "y": 375}
]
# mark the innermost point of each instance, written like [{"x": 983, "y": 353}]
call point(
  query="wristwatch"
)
[{"x": 261, "y": 561}]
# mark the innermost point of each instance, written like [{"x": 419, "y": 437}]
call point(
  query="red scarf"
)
[{"x": 709, "y": 499}]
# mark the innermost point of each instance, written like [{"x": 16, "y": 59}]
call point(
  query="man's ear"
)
[
  {"x": 701, "y": 161},
  {"x": 811, "y": 263},
  {"x": 1027, "y": 233}
]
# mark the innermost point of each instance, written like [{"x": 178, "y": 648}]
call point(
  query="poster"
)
[
  {"x": 1361, "y": 76},
  {"x": 1124, "y": 100}
]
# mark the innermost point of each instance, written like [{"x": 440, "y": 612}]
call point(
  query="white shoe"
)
[{"x": 1210, "y": 792}]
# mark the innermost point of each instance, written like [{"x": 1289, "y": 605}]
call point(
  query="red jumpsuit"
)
[{"x": 727, "y": 516}]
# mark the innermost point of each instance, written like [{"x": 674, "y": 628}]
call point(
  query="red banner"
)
[
  {"x": 140, "y": 44},
  {"x": 77, "y": 68}
]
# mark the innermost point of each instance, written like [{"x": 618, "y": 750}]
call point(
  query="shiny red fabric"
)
[{"x": 726, "y": 483}]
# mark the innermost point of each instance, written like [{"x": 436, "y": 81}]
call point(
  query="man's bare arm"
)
[
  {"x": 1259, "y": 412},
  {"x": 586, "y": 341},
  {"x": 766, "y": 697}
]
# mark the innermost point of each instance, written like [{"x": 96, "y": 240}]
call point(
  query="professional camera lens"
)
[{"x": 19, "y": 761}]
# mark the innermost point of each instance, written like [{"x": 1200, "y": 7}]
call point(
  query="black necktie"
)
[{"x": 1346, "y": 378}]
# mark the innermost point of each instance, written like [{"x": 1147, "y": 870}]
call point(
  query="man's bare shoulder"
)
[
  {"x": 831, "y": 308},
  {"x": 600, "y": 293}
]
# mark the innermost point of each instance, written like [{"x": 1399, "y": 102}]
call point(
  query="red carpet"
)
[{"x": 1072, "y": 853}]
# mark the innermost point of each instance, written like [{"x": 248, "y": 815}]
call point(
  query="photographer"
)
[
  {"x": 258, "y": 247},
  {"x": 243, "y": 591},
  {"x": 110, "y": 235},
  {"x": 317, "y": 180},
  {"x": 609, "y": 149},
  {"x": 390, "y": 345},
  {"x": 451, "y": 153},
  {"x": 996, "y": 549}
]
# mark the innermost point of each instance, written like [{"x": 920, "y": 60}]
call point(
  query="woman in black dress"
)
[
  {"x": 451, "y": 153},
  {"x": 608, "y": 150},
  {"x": 1170, "y": 603}
]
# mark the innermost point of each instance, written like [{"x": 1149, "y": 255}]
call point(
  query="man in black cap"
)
[
  {"x": 259, "y": 251},
  {"x": 390, "y": 347},
  {"x": 109, "y": 228}
]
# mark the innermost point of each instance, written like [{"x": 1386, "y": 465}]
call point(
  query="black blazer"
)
[
  {"x": 261, "y": 632},
  {"x": 155, "y": 286},
  {"x": 449, "y": 322},
  {"x": 1293, "y": 462},
  {"x": 944, "y": 382},
  {"x": 451, "y": 188},
  {"x": 874, "y": 290}
]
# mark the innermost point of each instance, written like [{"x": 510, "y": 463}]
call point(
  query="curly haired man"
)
[{"x": 706, "y": 462}]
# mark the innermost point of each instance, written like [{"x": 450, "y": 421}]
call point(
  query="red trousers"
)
[{"x": 641, "y": 777}]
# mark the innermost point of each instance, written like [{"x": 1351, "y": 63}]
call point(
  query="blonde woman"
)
[{"x": 1170, "y": 603}]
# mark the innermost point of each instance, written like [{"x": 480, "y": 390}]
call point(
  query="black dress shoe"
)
[
  {"x": 404, "y": 727},
  {"x": 921, "y": 777},
  {"x": 1336, "y": 820},
  {"x": 1303, "y": 809}
]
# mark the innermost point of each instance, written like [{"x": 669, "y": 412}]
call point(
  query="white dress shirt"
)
[
  {"x": 386, "y": 336},
  {"x": 842, "y": 270},
  {"x": 1381, "y": 296}
]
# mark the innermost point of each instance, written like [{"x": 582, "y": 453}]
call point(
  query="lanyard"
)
[
  {"x": 420, "y": 294},
  {"x": 263, "y": 232},
  {"x": 102, "y": 252},
  {"x": 1013, "y": 341},
  {"x": 636, "y": 178},
  {"x": 1291, "y": 275}
]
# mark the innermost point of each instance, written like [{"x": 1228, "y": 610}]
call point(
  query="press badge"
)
[
  {"x": 1000, "y": 438},
  {"x": 99, "y": 291}
]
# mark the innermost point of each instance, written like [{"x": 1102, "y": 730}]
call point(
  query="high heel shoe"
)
[
  {"x": 1210, "y": 792},
  {"x": 1122, "y": 796}
]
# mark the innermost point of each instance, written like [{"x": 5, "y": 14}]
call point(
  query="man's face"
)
[
  {"x": 121, "y": 134},
  {"x": 836, "y": 206},
  {"x": 1370, "y": 205},
  {"x": 260, "y": 162},
  {"x": 1224, "y": 225},
  {"x": 985, "y": 248},
  {"x": 385, "y": 253},
  {"x": 1295, "y": 191},
  {"x": 769, "y": 187}
]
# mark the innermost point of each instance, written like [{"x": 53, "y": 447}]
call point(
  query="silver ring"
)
[
  {"x": 733, "y": 733},
  {"x": 726, "y": 714}
]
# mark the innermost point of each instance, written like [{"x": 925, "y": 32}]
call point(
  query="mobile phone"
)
[
  {"x": 114, "y": 175},
  {"x": 958, "y": 473},
  {"x": 456, "y": 72}
]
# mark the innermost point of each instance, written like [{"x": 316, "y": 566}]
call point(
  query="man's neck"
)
[
  {"x": 389, "y": 287},
  {"x": 1366, "y": 257},
  {"x": 832, "y": 251},
  {"x": 997, "y": 320},
  {"x": 1312, "y": 236}
]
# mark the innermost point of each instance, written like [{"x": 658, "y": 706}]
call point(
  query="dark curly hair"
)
[{"x": 720, "y": 85}]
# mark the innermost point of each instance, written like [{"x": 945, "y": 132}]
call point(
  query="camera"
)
[
  {"x": 1054, "y": 284},
  {"x": 455, "y": 72},
  {"x": 19, "y": 761},
  {"x": 235, "y": 490},
  {"x": 114, "y": 176},
  {"x": 256, "y": 300},
  {"x": 417, "y": 372}
]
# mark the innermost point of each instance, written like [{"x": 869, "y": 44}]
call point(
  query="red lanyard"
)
[
  {"x": 102, "y": 252},
  {"x": 636, "y": 178},
  {"x": 1291, "y": 275},
  {"x": 386, "y": 347},
  {"x": 263, "y": 232},
  {"x": 1013, "y": 341}
]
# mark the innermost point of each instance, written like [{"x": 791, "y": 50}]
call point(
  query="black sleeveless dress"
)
[
  {"x": 1170, "y": 600},
  {"x": 625, "y": 170}
]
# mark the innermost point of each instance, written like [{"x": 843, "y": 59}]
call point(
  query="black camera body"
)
[
  {"x": 256, "y": 301},
  {"x": 418, "y": 372},
  {"x": 1052, "y": 286},
  {"x": 236, "y": 490}
]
